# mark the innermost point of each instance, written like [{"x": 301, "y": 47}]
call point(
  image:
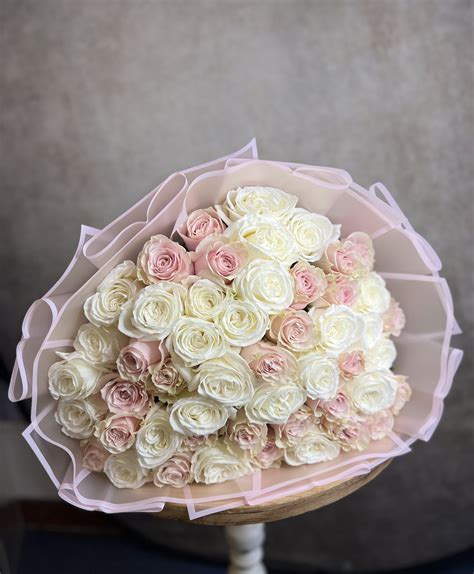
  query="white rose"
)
[
  {"x": 151, "y": 314},
  {"x": 311, "y": 232},
  {"x": 78, "y": 417},
  {"x": 337, "y": 327},
  {"x": 372, "y": 329},
  {"x": 227, "y": 379},
  {"x": 263, "y": 201},
  {"x": 99, "y": 345},
  {"x": 274, "y": 403},
  {"x": 118, "y": 287},
  {"x": 156, "y": 441},
  {"x": 125, "y": 270},
  {"x": 382, "y": 355},
  {"x": 264, "y": 238},
  {"x": 73, "y": 378},
  {"x": 124, "y": 471},
  {"x": 215, "y": 464},
  {"x": 372, "y": 391},
  {"x": 243, "y": 323},
  {"x": 198, "y": 416},
  {"x": 319, "y": 375},
  {"x": 206, "y": 299},
  {"x": 266, "y": 284},
  {"x": 194, "y": 341},
  {"x": 314, "y": 446},
  {"x": 373, "y": 297}
]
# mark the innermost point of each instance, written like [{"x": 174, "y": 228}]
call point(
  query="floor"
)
[
  {"x": 70, "y": 553},
  {"x": 52, "y": 538}
]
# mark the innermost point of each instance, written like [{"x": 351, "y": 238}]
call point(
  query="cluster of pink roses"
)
[{"x": 258, "y": 337}]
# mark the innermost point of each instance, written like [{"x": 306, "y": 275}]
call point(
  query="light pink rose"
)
[
  {"x": 394, "y": 319},
  {"x": 333, "y": 410},
  {"x": 341, "y": 291},
  {"x": 117, "y": 432},
  {"x": 94, "y": 456},
  {"x": 134, "y": 359},
  {"x": 193, "y": 443},
  {"x": 126, "y": 397},
  {"x": 270, "y": 456},
  {"x": 402, "y": 394},
  {"x": 379, "y": 424},
  {"x": 217, "y": 257},
  {"x": 245, "y": 434},
  {"x": 354, "y": 437},
  {"x": 350, "y": 435},
  {"x": 353, "y": 256},
  {"x": 310, "y": 284},
  {"x": 294, "y": 330},
  {"x": 176, "y": 471},
  {"x": 268, "y": 361},
  {"x": 298, "y": 423},
  {"x": 351, "y": 364},
  {"x": 163, "y": 260},
  {"x": 200, "y": 224},
  {"x": 164, "y": 379}
]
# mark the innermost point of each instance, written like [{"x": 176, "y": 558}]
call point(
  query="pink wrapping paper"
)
[{"x": 408, "y": 263}]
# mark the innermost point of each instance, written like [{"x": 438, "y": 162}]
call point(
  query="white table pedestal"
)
[
  {"x": 246, "y": 548},
  {"x": 245, "y": 539}
]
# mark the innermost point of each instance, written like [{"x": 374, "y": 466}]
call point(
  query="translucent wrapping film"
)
[{"x": 407, "y": 262}]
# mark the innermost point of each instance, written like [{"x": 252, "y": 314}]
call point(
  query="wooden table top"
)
[{"x": 277, "y": 509}]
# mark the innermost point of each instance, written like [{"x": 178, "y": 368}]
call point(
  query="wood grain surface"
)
[{"x": 277, "y": 509}]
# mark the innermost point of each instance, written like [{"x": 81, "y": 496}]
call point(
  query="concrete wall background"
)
[{"x": 101, "y": 99}]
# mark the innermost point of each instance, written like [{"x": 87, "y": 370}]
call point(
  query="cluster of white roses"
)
[{"x": 258, "y": 337}]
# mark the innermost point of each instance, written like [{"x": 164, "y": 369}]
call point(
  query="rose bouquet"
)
[{"x": 230, "y": 339}]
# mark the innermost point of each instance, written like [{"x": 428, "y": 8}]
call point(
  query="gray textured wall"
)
[{"x": 101, "y": 99}]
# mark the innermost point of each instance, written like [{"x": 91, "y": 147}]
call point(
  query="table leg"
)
[{"x": 246, "y": 548}]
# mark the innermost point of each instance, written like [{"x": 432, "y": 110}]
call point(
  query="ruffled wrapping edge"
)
[{"x": 166, "y": 206}]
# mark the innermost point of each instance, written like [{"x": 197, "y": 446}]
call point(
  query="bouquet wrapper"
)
[{"x": 406, "y": 261}]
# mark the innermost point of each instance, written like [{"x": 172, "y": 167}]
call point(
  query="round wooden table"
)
[{"x": 244, "y": 525}]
